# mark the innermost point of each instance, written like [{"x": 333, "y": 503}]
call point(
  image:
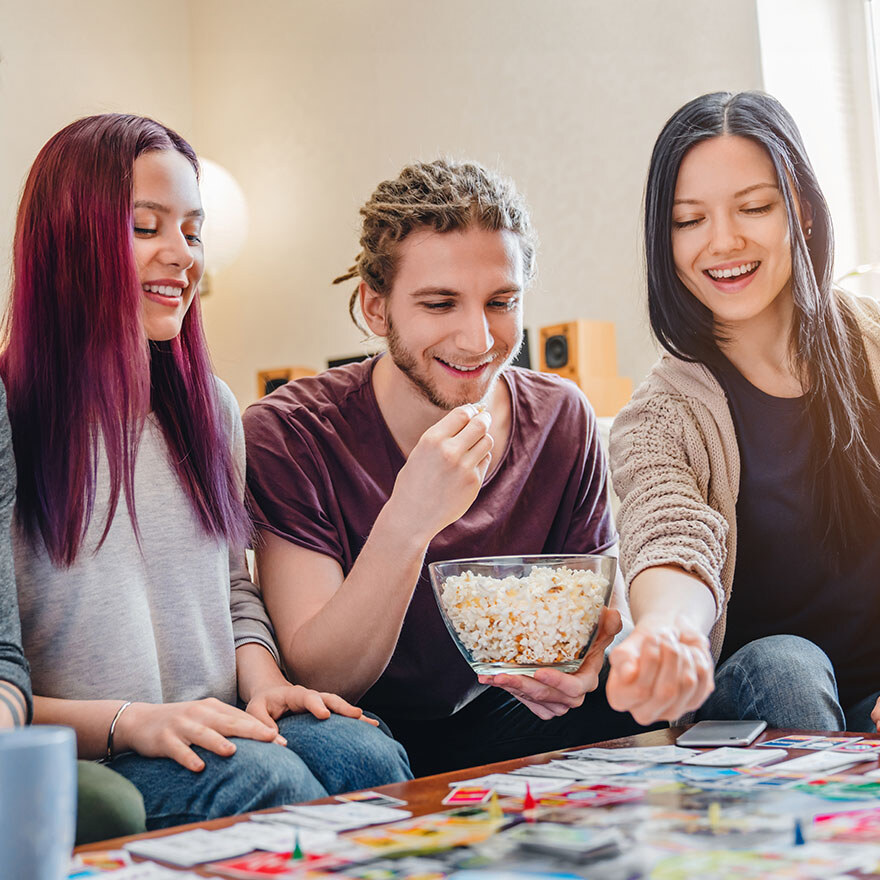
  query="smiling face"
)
[
  {"x": 167, "y": 243},
  {"x": 731, "y": 241},
  {"x": 453, "y": 318}
]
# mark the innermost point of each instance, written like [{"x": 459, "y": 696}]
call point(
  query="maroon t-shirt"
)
[{"x": 321, "y": 463}]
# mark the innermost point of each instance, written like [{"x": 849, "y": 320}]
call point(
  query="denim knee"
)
[
  {"x": 258, "y": 776},
  {"x": 786, "y": 680},
  {"x": 345, "y": 754}
]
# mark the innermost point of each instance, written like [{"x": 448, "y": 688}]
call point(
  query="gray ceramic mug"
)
[{"x": 37, "y": 802}]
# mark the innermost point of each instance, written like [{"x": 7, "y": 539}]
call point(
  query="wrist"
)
[
  {"x": 257, "y": 671},
  {"x": 126, "y": 718},
  {"x": 395, "y": 525},
  {"x": 671, "y": 620}
]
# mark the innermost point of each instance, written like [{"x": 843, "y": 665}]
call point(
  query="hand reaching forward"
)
[
  {"x": 552, "y": 692},
  {"x": 660, "y": 672}
]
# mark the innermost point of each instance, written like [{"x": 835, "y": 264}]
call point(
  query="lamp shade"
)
[{"x": 226, "y": 215}]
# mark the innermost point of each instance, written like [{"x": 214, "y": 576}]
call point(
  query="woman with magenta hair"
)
[
  {"x": 748, "y": 462},
  {"x": 130, "y": 529}
]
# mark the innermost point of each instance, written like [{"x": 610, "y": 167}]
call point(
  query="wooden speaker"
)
[
  {"x": 586, "y": 353},
  {"x": 269, "y": 380}
]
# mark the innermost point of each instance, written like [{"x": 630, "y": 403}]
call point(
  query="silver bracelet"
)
[{"x": 112, "y": 730}]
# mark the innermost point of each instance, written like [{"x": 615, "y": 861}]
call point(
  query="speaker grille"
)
[{"x": 556, "y": 351}]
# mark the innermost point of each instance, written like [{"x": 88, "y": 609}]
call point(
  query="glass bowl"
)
[{"x": 518, "y": 614}]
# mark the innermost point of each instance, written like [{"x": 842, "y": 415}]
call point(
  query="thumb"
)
[
  {"x": 260, "y": 710},
  {"x": 609, "y": 626}
]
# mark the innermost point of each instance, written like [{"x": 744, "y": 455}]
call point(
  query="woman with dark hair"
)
[
  {"x": 130, "y": 529},
  {"x": 748, "y": 462}
]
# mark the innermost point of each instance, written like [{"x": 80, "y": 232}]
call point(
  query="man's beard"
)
[{"x": 406, "y": 362}]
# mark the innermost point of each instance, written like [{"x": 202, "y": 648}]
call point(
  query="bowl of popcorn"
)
[{"x": 518, "y": 614}]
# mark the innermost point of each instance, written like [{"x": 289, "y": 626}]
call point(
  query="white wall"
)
[
  {"x": 311, "y": 103},
  {"x": 61, "y": 59},
  {"x": 815, "y": 60}
]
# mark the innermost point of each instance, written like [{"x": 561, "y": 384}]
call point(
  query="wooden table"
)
[{"x": 424, "y": 795}]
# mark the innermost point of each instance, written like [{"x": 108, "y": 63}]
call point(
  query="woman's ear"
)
[
  {"x": 806, "y": 214},
  {"x": 374, "y": 308}
]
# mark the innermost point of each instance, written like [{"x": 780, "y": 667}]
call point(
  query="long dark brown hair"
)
[{"x": 842, "y": 403}]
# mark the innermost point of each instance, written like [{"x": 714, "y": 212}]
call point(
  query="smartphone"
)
[{"x": 721, "y": 733}]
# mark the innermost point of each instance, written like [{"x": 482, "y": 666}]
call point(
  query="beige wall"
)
[
  {"x": 311, "y": 103},
  {"x": 60, "y": 60}
]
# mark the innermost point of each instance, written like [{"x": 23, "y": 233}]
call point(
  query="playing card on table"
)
[
  {"x": 149, "y": 871},
  {"x": 729, "y": 756},
  {"x": 275, "y": 837},
  {"x": 819, "y": 762},
  {"x": 600, "y": 795},
  {"x": 514, "y": 785},
  {"x": 585, "y": 769},
  {"x": 463, "y": 795},
  {"x": 542, "y": 771},
  {"x": 189, "y": 848},
  {"x": 345, "y": 817},
  {"x": 820, "y": 743},
  {"x": 648, "y": 754},
  {"x": 377, "y": 799},
  {"x": 795, "y": 741},
  {"x": 276, "y": 865},
  {"x": 867, "y": 748}
]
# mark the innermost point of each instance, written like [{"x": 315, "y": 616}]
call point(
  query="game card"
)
[
  {"x": 463, "y": 795},
  {"x": 795, "y": 741},
  {"x": 345, "y": 817},
  {"x": 514, "y": 785},
  {"x": 277, "y": 865},
  {"x": 587, "y": 768},
  {"x": 820, "y": 762},
  {"x": 189, "y": 848},
  {"x": 867, "y": 748},
  {"x": 145, "y": 871},
  {"x": 830, "y": 742},
  {"x": 647, "y": 754},
  {"x": 729, "y": 756},
  {"x": 598, "y": 795},
  {"x": 276, "y": 837},
  {"x": 371, "y": 797},
  {"x": 105, "y": 860}
]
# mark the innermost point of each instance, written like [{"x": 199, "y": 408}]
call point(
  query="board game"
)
[{"x": 660, "y": 813}]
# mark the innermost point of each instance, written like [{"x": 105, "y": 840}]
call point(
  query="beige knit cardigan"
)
[{"x": 675, "y": 467}]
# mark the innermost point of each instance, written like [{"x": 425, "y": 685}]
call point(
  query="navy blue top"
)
[{"x": 782, "y": 580}]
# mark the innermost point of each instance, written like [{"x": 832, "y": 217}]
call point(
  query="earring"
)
[{"x": 809, "y": 231}]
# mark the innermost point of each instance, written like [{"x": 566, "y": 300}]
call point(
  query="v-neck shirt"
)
[{"x": 322, "y": 463}]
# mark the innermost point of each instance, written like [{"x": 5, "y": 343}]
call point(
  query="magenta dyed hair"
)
[{"x": 76, "y": 361}]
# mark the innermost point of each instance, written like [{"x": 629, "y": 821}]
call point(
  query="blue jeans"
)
[
  {"x": 322, "y": 757},
  {"x": 786, "y": 681}
]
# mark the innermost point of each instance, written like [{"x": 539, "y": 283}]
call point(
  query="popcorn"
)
[{"x": 545, "y": 617}]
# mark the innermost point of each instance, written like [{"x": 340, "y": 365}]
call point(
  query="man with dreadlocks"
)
[{"x": 438, "y": 449}]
